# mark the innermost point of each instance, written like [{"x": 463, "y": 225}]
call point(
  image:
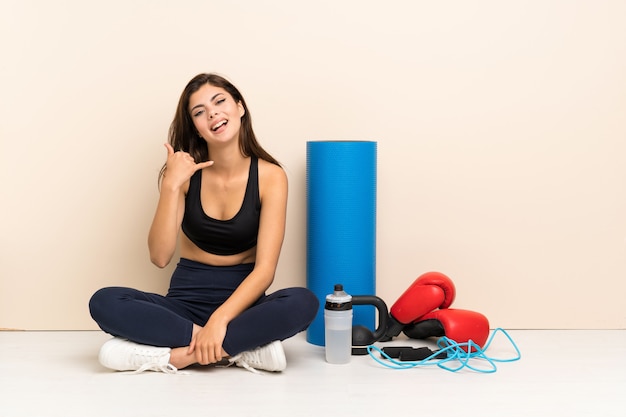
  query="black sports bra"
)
[{"x": 223, "y": 237}]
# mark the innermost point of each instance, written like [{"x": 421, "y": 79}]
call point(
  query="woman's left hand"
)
[{"x": 207, "y": 343}]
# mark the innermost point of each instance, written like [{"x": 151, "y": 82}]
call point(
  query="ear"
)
[{"x": 242, "y": 110}]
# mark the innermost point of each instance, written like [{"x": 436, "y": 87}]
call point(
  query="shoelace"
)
[
  {"x": 153, "y": 366},
  {"x": 151, "y": 362},
  {"x": 239, "y": 361}
]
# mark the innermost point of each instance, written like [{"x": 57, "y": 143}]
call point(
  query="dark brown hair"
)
[{"x": 183, "y": 135}]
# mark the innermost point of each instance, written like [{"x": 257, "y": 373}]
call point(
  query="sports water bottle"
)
[{"x": 338, "y": 326}]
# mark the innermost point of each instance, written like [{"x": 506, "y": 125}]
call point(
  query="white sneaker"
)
[
  {"x": 124, "y": 355},
  {"x": 270, "y": 357}
]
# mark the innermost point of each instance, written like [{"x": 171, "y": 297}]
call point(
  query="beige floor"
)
[{"x": 561, "y": 373}]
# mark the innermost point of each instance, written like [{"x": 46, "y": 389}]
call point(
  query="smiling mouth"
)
[{"x": 220, "y": 124}]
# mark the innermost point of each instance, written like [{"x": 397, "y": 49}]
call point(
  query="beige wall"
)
[{"x": 500, "y": 125}]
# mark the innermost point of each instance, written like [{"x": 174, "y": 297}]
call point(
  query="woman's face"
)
[{"x": 215, "y": 114}]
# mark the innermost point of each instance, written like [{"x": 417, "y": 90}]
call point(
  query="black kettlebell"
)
[{"x": 361, "y": 335}]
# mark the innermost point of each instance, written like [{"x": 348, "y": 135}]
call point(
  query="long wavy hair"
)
[{"x": 184, "y": 137}]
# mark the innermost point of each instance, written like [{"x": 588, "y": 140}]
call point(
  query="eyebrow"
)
[{"x": 202, "y": 105}]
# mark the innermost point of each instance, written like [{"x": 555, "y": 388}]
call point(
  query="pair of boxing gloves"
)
[{"x": 422, "y": 311}]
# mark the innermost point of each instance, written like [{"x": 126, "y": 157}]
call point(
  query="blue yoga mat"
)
[{"x": 341, "y": 225}]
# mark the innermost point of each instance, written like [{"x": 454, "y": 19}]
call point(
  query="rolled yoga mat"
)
[{"x": 341, "y": 225}]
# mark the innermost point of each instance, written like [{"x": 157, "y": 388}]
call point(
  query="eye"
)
[
  {"x": 220, "y": 101},
  {"x": 198, "y": 113}
]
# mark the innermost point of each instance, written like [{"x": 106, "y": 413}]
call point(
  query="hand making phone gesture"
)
[{"x": 180, "y": 167}]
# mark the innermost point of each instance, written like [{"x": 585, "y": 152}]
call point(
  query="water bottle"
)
[{"x": 338, "y": 326}]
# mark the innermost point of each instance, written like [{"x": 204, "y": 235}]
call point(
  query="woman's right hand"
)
[
  {"x": 180, "y": 166},
  {"x": 163, "y": 235}
]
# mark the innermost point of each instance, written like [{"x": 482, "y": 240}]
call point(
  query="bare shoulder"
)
[{"x": 270, "y": 173}]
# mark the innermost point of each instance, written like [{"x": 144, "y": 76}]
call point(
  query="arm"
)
[
  {"x": 168, "y": 217},
  {"x": 273, "y": 188},
  {"x": 163, "y": 233}
]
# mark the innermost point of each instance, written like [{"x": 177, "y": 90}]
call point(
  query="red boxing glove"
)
[
  {"x": 430, "y": 291},
  {"x": 455, "y": 324}
]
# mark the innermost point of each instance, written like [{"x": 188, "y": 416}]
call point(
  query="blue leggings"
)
[{"x": 196, "y": 291}]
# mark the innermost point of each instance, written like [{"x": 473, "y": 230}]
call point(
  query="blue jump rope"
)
[{"x": 457, "y": 356}]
